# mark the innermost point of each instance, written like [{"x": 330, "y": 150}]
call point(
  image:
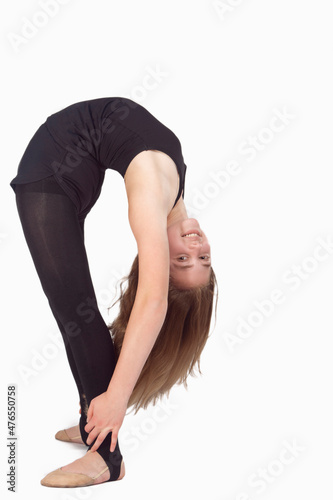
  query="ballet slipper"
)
[
  {"x": 63, "y": 436},
  {"x": 64, "y": 479}
]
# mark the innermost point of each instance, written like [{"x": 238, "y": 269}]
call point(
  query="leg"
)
[
  {"x": 55, "y": 240},
  {"x": 70, "y": 357},
  {"x": 76, "y": 376}
]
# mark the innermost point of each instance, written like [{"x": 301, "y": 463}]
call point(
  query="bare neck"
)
[{"x": 178, "y": 213}]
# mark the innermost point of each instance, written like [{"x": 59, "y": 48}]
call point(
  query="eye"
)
[
  {"x": 182, "y": 258},
  {"x": 205, "y": 257}
]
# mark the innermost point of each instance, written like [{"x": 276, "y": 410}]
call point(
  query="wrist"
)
[{"x": 117, "y": 392}]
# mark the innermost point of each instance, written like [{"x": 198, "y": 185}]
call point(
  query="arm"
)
[
  {"x": 144, "y": 325},
  {"x": 147, "y": 213},
  {"x": 148, "y": 205}
]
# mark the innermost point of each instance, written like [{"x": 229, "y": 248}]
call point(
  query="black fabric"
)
[
  {"x": 55, "y": 237},
  {"x": 80, "y": 142}
]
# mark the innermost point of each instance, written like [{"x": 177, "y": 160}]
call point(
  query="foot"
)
[
  {"x": 88, "y": 470},
  {"x": 71, "y": 434},
  {"x": 91, "y": 464}
]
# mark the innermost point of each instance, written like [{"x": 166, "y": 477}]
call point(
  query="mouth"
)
[{"x": 191, "y": 234}]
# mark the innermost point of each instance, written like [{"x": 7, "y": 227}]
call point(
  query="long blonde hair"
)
[{"x": 179, "y": 344}]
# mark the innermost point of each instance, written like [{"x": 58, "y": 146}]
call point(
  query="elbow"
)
[
  {"x": 159, "y": 304},
  {"x": 155, "y": 303}
]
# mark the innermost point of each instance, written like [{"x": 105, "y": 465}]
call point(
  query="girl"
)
[{"x": 165, "y": 311}]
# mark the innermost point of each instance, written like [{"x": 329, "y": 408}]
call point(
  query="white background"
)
[{"x": 223, "y": 71}]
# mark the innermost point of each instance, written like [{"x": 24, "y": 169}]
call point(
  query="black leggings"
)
[{"x": 55, "y": 237}]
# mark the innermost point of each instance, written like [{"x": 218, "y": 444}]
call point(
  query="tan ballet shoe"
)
[
  {"x": 63, "y": 479},
  {"x": 63, "y": 436}
]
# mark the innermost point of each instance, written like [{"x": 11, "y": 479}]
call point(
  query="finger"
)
[
  {"x": 90, "y": 425},
  {"x": 92, "y": 436},
  {"x": 100, "y": 439},
  {"x": 114, "y": 440}
]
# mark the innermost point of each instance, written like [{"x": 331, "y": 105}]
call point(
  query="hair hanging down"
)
[{"x": 179, "y": 343}]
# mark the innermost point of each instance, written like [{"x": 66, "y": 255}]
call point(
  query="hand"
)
[{"x": 105, "y": 414}]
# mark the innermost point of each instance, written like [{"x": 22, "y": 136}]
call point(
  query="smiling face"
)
[{"x": 190, "y": 260}]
